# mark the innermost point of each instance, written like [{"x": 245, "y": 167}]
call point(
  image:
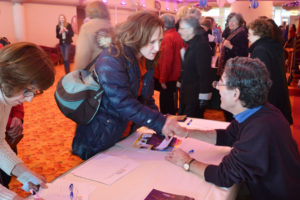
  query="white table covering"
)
[{"x": 154, "y": 172}]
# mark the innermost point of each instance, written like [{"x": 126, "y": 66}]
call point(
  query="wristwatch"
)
[{"x": 186, "y": 166}]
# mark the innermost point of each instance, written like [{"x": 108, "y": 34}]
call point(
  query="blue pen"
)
[
  {"x": 191, "y": 151},
  {"x": 189, "y": 123},
  {"x": 71, "y": 191}
]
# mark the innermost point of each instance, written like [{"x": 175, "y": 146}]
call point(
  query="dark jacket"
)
[
  {"x": 271, "y": 53},
  {"x": 264, "y": 156},
  {"x": 69, "y": 35},
  {"x": 196, "y": 75},
  {"x": 240, "y": 45},
  {"x": 120, "y": 103}
]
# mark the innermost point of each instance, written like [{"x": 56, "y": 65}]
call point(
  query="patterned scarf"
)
[{"x": 221, "y": 60}]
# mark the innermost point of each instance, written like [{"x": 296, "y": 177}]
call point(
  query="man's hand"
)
[{"x": 178, "y": 157}]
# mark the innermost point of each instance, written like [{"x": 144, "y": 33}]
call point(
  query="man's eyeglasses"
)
[
  {"x": 215, "y": 84},
  {"x": 29, "y": 93}
]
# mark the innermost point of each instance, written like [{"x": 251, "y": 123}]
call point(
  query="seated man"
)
[{"x": 264, "y": 155}]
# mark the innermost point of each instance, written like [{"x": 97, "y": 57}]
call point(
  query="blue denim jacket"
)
[{"x": 120, "y": 80}]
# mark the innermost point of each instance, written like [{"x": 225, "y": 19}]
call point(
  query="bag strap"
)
[{"x": 91, "y": 63}]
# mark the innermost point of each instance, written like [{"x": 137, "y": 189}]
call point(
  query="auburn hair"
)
[
  {"x": 23, "y": 64},
  {"x": 136, "y": 32}
]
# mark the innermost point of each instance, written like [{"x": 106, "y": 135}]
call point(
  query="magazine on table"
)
[
  {"x": 160, "y": 195},
  {"x": 156, "y": 142}
]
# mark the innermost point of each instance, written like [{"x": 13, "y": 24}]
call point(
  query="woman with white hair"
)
[{"x": 196, "y": 74}]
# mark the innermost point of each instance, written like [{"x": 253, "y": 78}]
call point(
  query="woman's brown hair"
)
[
  {"x": 261, "y": 28},
  {"x": 136, "y": 32},
  {"x": 23, "y": 64}
]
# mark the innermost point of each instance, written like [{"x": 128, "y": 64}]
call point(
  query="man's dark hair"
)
[{"x": 251, "y": 77}]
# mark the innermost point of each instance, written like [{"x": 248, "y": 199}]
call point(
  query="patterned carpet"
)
[{"x": 46, "y": 145}]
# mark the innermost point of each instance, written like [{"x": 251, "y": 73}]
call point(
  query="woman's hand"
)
[
  {"x": 31, "y": 177},
  {"x": 227, "y": 44},
  {"x": 16, "y": 127},
  {"x": 172, "y": 128},
  {"x": 178, "y": 157}
]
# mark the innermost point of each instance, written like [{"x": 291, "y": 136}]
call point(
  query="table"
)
[{"x": 154, "y": 172}]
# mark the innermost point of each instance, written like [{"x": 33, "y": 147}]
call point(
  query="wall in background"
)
[
  {"x": 265, "y": 8},
  {"x": 41, "y": 21},
  {"x": 6, "y": 21}
]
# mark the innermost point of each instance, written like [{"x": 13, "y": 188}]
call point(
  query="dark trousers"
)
[
  {"x": 65, "y": 51},
  {"x": 4, "y": 179},
  {"x": 191, "y": 110},
  {"x": 167, "y": 98}
]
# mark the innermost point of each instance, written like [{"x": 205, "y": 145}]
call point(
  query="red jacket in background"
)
[{"x": 169, "y": 64}]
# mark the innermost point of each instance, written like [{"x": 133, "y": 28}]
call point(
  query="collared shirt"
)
[{"x": 245, "y": 114}]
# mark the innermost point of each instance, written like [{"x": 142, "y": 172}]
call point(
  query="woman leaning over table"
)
[
  {"x": 125, "y": 72},
  {"x": 270, "y": 51},
  {"x": 25, "y": 71}
]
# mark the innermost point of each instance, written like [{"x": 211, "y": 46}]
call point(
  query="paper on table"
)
[
  {"x": 105, "y": 168},
  {"x": 60, "y": 190},
  {"x": 164, "y": 144}
]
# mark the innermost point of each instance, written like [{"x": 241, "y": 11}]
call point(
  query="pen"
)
[
  {"x": 191, "y": 151},
  {"x": 35, "y": 194},
  {"x": 71, "y": 191},
  {"x": 189, "y": 123}
]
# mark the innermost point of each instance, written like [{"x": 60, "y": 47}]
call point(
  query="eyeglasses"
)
[
  {"x": 29, "y": 93},
  {"x": 215, "y": 84}
]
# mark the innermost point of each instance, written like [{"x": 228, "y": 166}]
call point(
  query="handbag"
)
[{"x": 78, "y": 94}]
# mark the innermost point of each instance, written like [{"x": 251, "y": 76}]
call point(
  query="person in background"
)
[
  {"x": 87, "y": 45},
  {"x": 196, "y": 74},
  {"x": 125, "y": 71},
  {"x": 195, "y": 12},
  {"x": 276, "y": 31},
  {"x": 206, "y": 24},
  {"x": 284, "y": 30},
  {"x": 25, "y": 71},
  {"x": 215, "y": 32},
  {"x": 167, "y": 71},
  {"x": 235, "y": 43},
  {"x": 182, "y": 12},
  {"x": 235, "y": 40},
  {"x": 270, "y": 51},
  {"x": 292, "y": 35},
  {"x": 293, "y": 31},
  {"x": 264, "y": 155},
  {"x": 64, "y": 33}
]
